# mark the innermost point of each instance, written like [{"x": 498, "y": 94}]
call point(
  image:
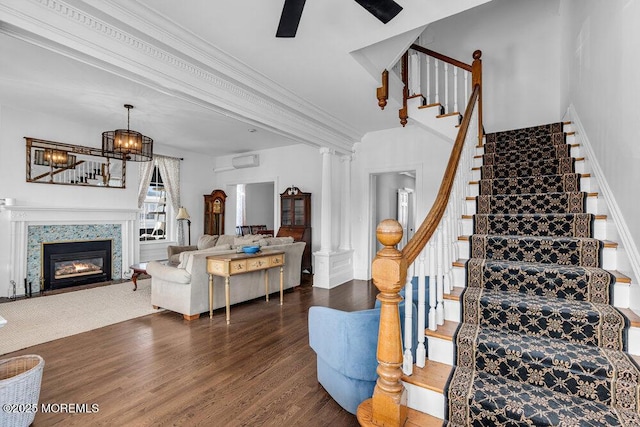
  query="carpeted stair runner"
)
[{"x": 539, "y": 342}]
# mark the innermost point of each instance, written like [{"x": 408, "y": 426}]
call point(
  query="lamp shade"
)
[{"x": 182, "y": 214}]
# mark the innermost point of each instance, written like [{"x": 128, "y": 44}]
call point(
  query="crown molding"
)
[{"x": 117, "y": 39}]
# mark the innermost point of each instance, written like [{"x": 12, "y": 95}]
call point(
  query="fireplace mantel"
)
[{"x": 20, "y": 218}]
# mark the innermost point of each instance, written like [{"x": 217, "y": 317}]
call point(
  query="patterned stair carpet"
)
[{"x": 539, "y": 343}]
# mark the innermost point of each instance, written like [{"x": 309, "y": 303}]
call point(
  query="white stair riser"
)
[
  {"x": 440, "y": 350},
  {"x": 425, "y": 400},
  {"x": 452, "y": 310}
]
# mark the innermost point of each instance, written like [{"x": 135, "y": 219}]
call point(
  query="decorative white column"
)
[
  {"x": 333, "y": 267},
  {"x": 345, "y": 222},
  {"x": 325, "y": 202}
]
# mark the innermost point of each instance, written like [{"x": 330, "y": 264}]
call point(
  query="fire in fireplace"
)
[{"x": 67, "y": 264}]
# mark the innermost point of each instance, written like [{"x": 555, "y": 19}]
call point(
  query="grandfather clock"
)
[{"x": 214, "y": 212}]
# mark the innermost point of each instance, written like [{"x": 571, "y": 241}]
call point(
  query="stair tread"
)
[
  {"x": 582, "y": 175},
  {"x": 455, "y": 113},
  {"x": 473, "y": 198},
  {"x": 620, "y": 277},
  {"x": 607, "y": 243},
  {"x": 414, "y": 418},
  {"x": 447, "y": 330},
  {"x": 455, "y": 293},
  {"x": 437, "y": 104},
  {"x": 432, "y": 376},
  {"x": 444, "y": 331},
  {"x": 634, "y": 319},
  {"x": 598, "y": 216}
]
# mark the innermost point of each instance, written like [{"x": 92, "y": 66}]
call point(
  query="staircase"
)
[
  {"x": 527, "y": 319},
  {"x": 532, "y": 335}
]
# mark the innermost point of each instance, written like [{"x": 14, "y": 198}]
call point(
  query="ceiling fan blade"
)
[
  {"x": 384, "y": 10},
  {"x": 290, "y": 18}
]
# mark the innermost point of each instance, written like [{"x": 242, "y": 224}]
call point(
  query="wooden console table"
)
[{"x": 240, "y": 263}]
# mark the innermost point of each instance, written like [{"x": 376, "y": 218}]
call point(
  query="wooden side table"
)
[
  {"x": 139, "y": 269},
  {"x": 233, "y": 264}
]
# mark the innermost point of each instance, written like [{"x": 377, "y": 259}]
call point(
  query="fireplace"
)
[{"x": 67, "y": 264}]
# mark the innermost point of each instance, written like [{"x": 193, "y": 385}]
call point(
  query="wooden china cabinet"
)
[
  {"x": 295, "y": 220},
  {"x": 214, "y": 212}
]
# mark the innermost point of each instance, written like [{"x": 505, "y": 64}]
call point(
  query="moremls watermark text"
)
[{"x": 54, "y": 408}]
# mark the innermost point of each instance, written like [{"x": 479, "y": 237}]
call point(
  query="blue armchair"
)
[{"x": 346, "y": 344}]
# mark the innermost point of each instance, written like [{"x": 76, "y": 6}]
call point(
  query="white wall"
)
[
  {"x": 398, "y": 149},
  {"x": 297, "y": 165},
  {"x": 601, "y": 42},
  {"x": 521, "y": 58},
  {"x": 259, "y": 204}
]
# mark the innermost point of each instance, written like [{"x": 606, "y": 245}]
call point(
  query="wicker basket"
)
[{"x": 20, "y": 379}]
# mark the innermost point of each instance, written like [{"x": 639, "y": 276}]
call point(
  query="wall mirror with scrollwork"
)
[{"x": 50, "y": 162}]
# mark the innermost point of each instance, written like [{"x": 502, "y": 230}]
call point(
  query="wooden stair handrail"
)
[
  {"x": 442, "y": 57},
  {"x": 389, "y": 271}
]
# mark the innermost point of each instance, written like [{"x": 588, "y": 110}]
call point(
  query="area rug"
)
[{"x": 41, "y": 319}]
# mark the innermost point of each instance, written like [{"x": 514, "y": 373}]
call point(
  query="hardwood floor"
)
[{"x": 160, "y": 370}]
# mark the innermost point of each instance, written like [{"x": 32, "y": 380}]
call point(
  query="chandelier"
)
[{"x": 127, "y": 144}]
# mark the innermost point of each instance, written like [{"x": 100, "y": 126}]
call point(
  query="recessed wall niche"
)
[{"x": 50, "y": 162}]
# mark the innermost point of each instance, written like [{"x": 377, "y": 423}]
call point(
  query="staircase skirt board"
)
[{"x": 539, "y": 340}]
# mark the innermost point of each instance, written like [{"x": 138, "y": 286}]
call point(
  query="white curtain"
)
[
  {"x": 145, "y": 173},
  {"x": 169, "y": 168}
]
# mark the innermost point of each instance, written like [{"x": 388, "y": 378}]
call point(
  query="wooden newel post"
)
[
  {"x": 389, "y": 272},
  {"x": 476, "y": 79}
]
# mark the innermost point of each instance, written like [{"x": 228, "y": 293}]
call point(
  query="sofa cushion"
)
[
  {"x": 207, "y": 241},
  {"x": 248, "y": 240},
  {"x": 225, "y": 239},
  {"x": 188, "y": 259},
  {"x": 271, "y": 241},
  {"x": 178, "y": 275}
]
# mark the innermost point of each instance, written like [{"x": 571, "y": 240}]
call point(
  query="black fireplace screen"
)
[{"x": 67, "y": 264}]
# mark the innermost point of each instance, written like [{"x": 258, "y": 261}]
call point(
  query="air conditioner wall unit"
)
[{"x": 249, "y": 161}]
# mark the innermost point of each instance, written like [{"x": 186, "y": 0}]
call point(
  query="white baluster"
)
[
  {"x": 455, "y": 89},
  {"x": 421, "y": 352},
  {"x": 437, "y": 82},
  {"x": 407, "y": 360},
  {"x": 446, "y": 88},
  {"x": 433, "y": 285},
  {"x": 466, "y": 87},
  {"x": 440, "y": 277},
  {"x": 446, "y": 279},
  {"x": 414, "y": 73},
  {"x": 428, "y": 97}
]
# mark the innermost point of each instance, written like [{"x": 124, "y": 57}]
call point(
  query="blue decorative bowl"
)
[{"x": 250, "y": 249}]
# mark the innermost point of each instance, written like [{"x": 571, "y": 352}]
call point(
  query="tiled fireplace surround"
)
[{"x": 32, "y": 226}]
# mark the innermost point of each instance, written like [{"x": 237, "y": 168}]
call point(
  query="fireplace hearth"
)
[{"x": 68, "y": 264}]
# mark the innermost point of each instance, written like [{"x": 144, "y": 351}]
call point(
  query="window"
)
[{"x": 153, "y": 215}]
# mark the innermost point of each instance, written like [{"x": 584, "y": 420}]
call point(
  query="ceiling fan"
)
[{"x": 384, "y": 10}]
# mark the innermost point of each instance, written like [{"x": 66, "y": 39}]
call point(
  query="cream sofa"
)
[{"x": 184, "y": 288}]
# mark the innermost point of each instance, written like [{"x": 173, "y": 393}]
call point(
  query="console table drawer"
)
[{"x": 277, "y": 260}]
